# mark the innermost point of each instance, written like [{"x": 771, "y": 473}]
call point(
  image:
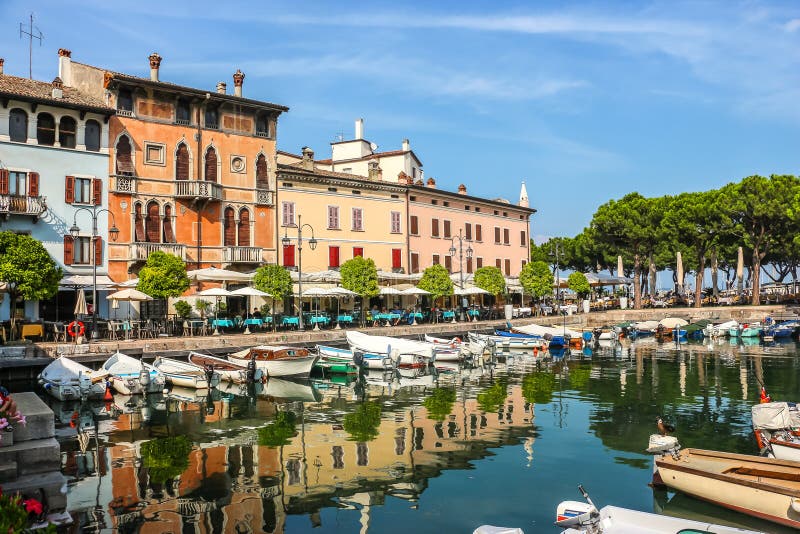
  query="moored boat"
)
[
  {"x": 720, "y": 329},
  {"x": 508, "y": 343},
  {"x": 185, "y": 374},
  {"x": 228, "y": 371},
  {"x": 775, "y": 425},
  {"x": 130, "y": 376},
  {"x": 67, "y": 379},
  {"x": 334, "y": 354},
  {"x": 452, "y": 342},
  {"x": 381, "y": 344},
  {"x": 278, "y": 360}
]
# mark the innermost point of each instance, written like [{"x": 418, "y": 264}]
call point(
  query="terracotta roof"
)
[
  {"x": 42, "y": 92},
  {"x": 290, "y": 154},
  {"x": 298, "y": 168}
]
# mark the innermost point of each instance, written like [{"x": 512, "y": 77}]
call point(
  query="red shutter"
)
[
  {"x": 3, "y": 181},
  {"x": 262, "y": 172},
  {"x": 69, "y": 189},
  {"x": 98, "y": 251},
  {"x": 182, "y": 163},
  {"x": 211, "y": 165},
  {"x": 33, "y": 184},
  {"x": 97, "y": 191},
  {"x": 68, "y": 248},
  {"x": 333, "y": 257},
  {"x": 358, "y": 251},
  {"x": 152, "y": 224},
  {"x": 396, "y": 258},
  {"x": 288, "y": 255}
]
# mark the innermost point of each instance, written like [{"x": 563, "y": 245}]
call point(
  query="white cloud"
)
[{"x": 792, "y": 26}]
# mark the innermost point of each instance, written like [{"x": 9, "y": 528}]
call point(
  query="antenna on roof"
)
[
  {"x": 339, "y": 137},
  {"x": 31, "y": 33}
]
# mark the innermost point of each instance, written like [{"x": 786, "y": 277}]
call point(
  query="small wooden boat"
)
[
  {"x": 334, "y": 354},
  {"x": 185, "y": 374},
  {"x": 228, "y": 371},
  {"x": 452, "y": 342},
  {"x": 67, "y": 379},
  {"x": 130, "y": 376},
  {"x": 381, "y": 344},
  {"x": 508, "y": 343},
  {"x": 775, "y": 425},
  {"x": 278, "y": 360},
  {"x": 762, "y": 487}
]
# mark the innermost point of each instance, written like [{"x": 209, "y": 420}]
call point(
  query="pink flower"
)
[
  {"x": 3, "y": 422},
  {"x": 32, "y": 506},
  {"x": 21, "y": 419}
]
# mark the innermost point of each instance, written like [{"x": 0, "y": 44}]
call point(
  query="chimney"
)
[
  {"x": 359, "y": 129},
  {"x": 65, "y": 66},
  {"x": 238, "y": 80},
  {"x": 403, "y": 178},
  {"x": 222, "y": 87},
  {"x": 406, "y": 145},
  {"x": 1, "y": 65},
  {"x": 431, "y": 183},
  {"x": 374, "y": 172},
  {"x": 308, "y": 159},
  {"x": 155, "y": 64},
  {"x": 58, "y": 88},
  {"x": 462, "y": 189},
  {"x": 419, "y": 182}
]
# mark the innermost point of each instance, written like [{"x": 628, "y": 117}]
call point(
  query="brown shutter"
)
[
  {"x": 151, "y": 224},
  {"x": 508, "y": 267},
  {"x": 97, "y": 191},
  {"x": 522, "y": 240},
  {"x": 69, "y": 189},
  {"x": 68, "y": 248},
  {"x": 478, "y": 233},
  {"x": 244, "y": 228},
  {"x": 498, "y": 263},
  {"x": 496, "y": 234},
  {"x": 230, "y": 228},
  {"x": 33, "y": 184},
  {"x": 446, "y": 229},
  {"x": 435, "y": 227},
  {"x": 448, "y": 263},
  {"x": 182, "y": 163},
  {"x": 478, "y": 263},
  {"x": 414, "y": 225},
  {"x": 469, "y": 265},
  {"x": 414, "y": 262},
  {"x": 262, "y": 172},
  {"x": 138, "y": 223},
  {"x": 211, "y": 165},
  {"x": 124, "y": 159},
  {"x": 468, "y": 231},
  {"x": 98, "y": 251},
  {"x": 506, "y": 236},
  {"x": 3, "y": 181},
  {"x": 169, "y": 234}
]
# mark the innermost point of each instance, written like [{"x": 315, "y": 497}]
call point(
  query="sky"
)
[{"x": 584, "y": 101}]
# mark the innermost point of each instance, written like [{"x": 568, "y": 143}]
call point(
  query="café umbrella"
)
[
  {"x": 318, "y": 292},
  {"x": 416, "y": 292},
  {"x": 129, "y": 295},
  {"x": 248, "y": 292},
  {"x": 679, "y": 272},
  {"x": 80, "y": 304},
  {"x": 216, "y": 292},
  {"x": 337, "y": 293}
]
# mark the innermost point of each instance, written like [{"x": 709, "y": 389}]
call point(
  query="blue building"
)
[{"x": 53, "y": 174}]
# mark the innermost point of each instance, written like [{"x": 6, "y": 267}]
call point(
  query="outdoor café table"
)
[
  {"x": 345, "y": 319},
  {"x": 319, "y": 319},
  {"x": 390, "y": 318},
  {"x": 290, "y": 321},
  {"x": 448, "y": 315},
  {"x": 222, "y": 323},
  {"x": 31, "y": 330},
  {"x": 196, "y": 326},
  {"x": 254, "y": 321},
  {"x": 474, "y": 313}
]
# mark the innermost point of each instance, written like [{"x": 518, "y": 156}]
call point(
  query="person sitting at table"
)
[{"x": 256, "y": 313}]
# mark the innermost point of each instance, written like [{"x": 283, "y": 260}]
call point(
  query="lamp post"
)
[
  {"x": 461, "y": 251},
  {"x": 312, "y": 243},
  {"x": 556, "y": 253},
  {"x": 113, "y": 232}
]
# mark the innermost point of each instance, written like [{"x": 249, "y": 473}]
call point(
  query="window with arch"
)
[
  {"x": 262, "y": 125},
  {"x": 244, "y": 227},
  {"x": 152, "y": 223},
  {"x": 211, "y": 165},
  {"x": 182, "y": 162},
  {"x": 124, "y": 153},
  {"x": 92, "y": 135},
  {"x": 262, "y": 172},
  {"x": 138, "y": 224},
  {"x": 18, "y": 125},
  {"x": 169, "y": 232},
  {"x": 67, "y": 132},
  {"x": 229, "y": 228},
  {"x": 45, "y": 129}
]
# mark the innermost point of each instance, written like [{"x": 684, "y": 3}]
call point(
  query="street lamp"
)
[
  {"x": 312, "y": 243},
  {"x": 113, "y": 232},
  {"x": 556, "y": 253},
  {"x": 461, "y": 251}
]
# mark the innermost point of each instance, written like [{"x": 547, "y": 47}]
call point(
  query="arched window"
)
[
  {"x": 182, "y": 162},
  {"x": 18, "y": 125},
  {"x": 229, "y": 225},
  {"x": 211, "y": 164},
  {"x": 262, "y": 172},
  {"x": 66, "y": 132},
  {"x": 138, "y": 223},
  {"x": 244, "y": 228},
  {"x": 92, "y": 135},
  {"x": 46, "y": 129},
  {"x": 124, "y": 156},
  {"x": 152, "y": 224},
  {"x": 169, "y": 233}
]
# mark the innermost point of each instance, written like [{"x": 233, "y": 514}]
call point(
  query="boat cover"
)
[
  {"x": 379, "y": 344},
  {"x": 539, "y": 330},
  {"x": 489, "y": 529},
  {"x": 775, "y": 416}
]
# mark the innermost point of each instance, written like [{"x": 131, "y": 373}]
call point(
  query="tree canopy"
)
[
  {"x": 578, "y": 283},
  {"x": 490, "y": 279},
  {"x": 163, "y": 276},
  {"x": 536, "y": 279},
  {"x": 436, "y": 281},
  {"x": 360, "y": 276},
  {"x": 273, "y": 279}
]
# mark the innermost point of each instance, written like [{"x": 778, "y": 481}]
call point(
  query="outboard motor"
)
[
  {"x": 251, "y": 369},
  {"x": 358, "y": 358},
  {"x": 571, "y": 514},
  {"x": 209, "y": 374},
  {"x": 144, "y": 377}
]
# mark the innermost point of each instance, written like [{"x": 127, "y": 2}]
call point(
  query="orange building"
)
[{"x": 192, "y": 172}]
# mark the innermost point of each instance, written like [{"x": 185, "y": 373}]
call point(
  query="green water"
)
[{"x": 434, "y": 453}]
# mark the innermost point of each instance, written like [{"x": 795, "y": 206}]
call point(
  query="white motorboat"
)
[
  {"x": 384, "y": 344},
  {"x": 130, "y": 376},
  {"x": 228, "y": 371},
  {"x": 508, "y": 343},
  {"x": 185, "y": 374},
  {"x": 448, "y": 354},
  {"x": 67, "y": 379},
  {"x": 335, "y": 354},
  {"x": 452, "y": 342},
  {"x": 539, "y": 330},
  {"x": 719, "y": 330},
  {"x": 776, "y": 425},
  {"x": 278, "y": 360},
  {"x": 383, "y": 362},
  {"x": 288, "y": 390}
]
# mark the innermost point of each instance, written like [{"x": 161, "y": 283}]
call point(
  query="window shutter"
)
[
  {"x": 169, "y": 234},
  {"x": 211, "y": 165},
  {"x": 414, "y": 262},
  {"x": 33, "y": 184},
  {"x": 435, "y": 260},
  {"x": 396, "y": 258},
  {"x": 333, "y": 257},
  {"x": 414, "y": 225},
  {"x": 229, "y": 233},
  {"x": 498, "y": 263},
  {"x": 446, "y": 229},
  {"x": 3, "y": 181},
  {"x": 468, "y": 231},
  {"x": 435, "y": 227},
  {"x": 469, "y": 265},
  {"x": 97, "y": 191},
  {"x": 69, "y": 189},
  {"x": 244, "y": 228},
  {"x": 139, "y": 227},
  {"x": 151, "y": 224},
  {"x": 522, "y": 240},
  {"x": 358, "y": 251},
  {"x": 68, "y": 250},
  {"x": 288, "y": 255},
  {"x": 478, "y": 233},
  {"x": 448, "y": 263},
  {"x": 182, "y": 163},
  {"x": 98, "y": 251},
  {"x": 508, "y": 267},
  {"x": 506, "y": 236}
]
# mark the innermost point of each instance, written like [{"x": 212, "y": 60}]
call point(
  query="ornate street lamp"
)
[
  {"x": 461, "y": 252},
  {"x": 312, "y": 243}
]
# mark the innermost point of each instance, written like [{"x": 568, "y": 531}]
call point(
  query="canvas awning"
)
[{"x": 76, "y": 281}]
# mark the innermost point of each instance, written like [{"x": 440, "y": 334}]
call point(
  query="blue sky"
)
[{"x": 585, "y": 102}]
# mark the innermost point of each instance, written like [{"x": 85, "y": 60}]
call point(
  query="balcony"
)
[
  {"x": 265, "y": 197},
  {"x": 243, "y": 255},
  {"x": 141, "y": 251},
  {"x": 22, "y": 205},
  {"x": 123, "y": 184},
  {"x": 198, "y": 190},
  {"x": 124, "y": 113}
]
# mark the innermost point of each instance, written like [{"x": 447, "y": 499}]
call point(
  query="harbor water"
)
[{"x": 420, "y": 451}]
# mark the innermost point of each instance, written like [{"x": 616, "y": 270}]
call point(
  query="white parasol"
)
[
  {"x": 216, "y": 292},
  {"x": 129, "y": 295},
  {"x": 672, "y": 322},
  {"x": 248, "y": 292},
  {"x": 415, "y": 291},
  {"x": 679, "y": 271},
  {"x": 472, "y": 290},
  {"x": 390, "y": 291},
  {"x": 212, "y": 274},
  {"x": 80, "y": 304}
]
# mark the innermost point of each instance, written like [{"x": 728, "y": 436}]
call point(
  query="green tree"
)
[
  {"x": 27, "y": 270},
  {"x": 578, "y": 283},
  {"x": 536, "y": 279},
  {"x": 436, "y": 281},
  {"x": 275, "y": 280},
  {"x": 183, "y": 309},
  {"x": 490, "y": 399},
  {"x": 166, "y": 458},
  {"x": 280, "y": 432},
  {"x": 440, "y": 403},
  {"x": 362, "y": 424},
  {"x": 537, "y": 387},
  {"x": 361, "y": 276},
  {"x": 163, "y": 276},
  {"x": 491, "y": 280}
]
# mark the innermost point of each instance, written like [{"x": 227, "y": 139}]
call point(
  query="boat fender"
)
[{"x": 796, "y": 504}]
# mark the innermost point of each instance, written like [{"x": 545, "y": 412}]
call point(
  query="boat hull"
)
[
  {"x": 297, "y": 366},
  {"x": 74, "y": 391},
  {"x": 131, "y": 384}
]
